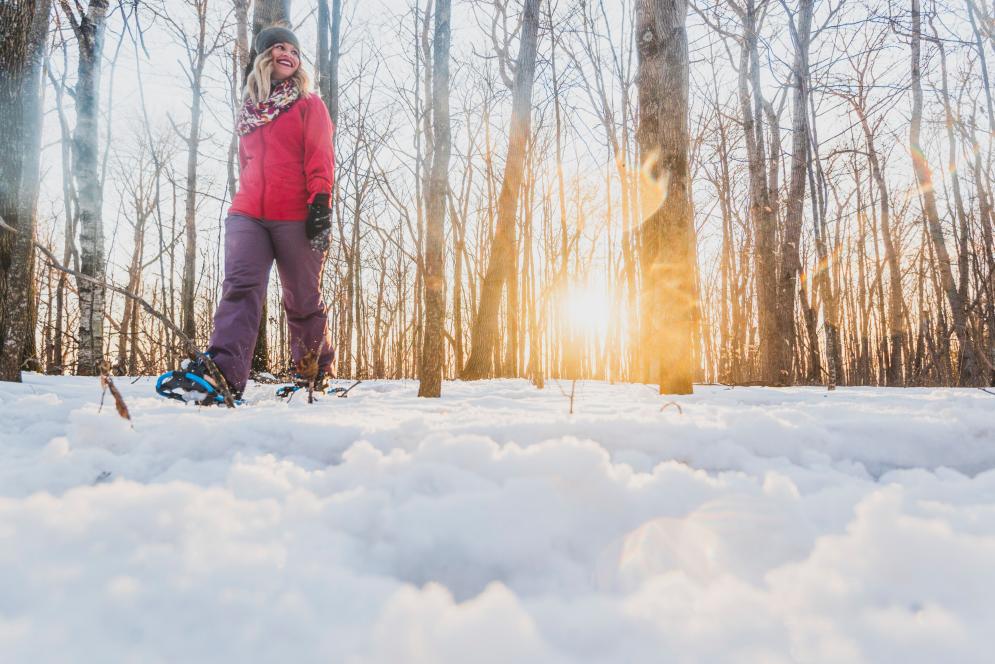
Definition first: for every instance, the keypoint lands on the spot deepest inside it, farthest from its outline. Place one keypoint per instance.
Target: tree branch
(190, 345)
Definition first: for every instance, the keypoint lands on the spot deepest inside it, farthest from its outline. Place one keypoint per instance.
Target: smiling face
(286, 61)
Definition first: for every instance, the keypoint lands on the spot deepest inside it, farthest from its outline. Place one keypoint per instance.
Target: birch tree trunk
(667, 252)
(430, 384)
(23, 27)
(485, 325)
(89, 29)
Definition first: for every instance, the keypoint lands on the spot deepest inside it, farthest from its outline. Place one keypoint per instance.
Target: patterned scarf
(281, 97)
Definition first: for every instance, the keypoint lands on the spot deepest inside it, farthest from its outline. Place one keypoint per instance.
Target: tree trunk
(89, 29)
(23, 27)
(896, 321)
(328, 55)
(430, 384)
(667, 252)
(822, 281)
(485, 325)
(762, 211)
(458, 222)
(790, 262)
(196, 73)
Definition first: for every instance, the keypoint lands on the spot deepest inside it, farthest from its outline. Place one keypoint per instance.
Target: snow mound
(748, 525)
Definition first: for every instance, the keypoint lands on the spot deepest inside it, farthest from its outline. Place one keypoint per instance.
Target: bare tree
(499, 265)
(924, 177)
(138, 176)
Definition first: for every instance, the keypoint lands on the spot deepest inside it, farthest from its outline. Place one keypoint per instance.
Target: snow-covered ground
(748, 525)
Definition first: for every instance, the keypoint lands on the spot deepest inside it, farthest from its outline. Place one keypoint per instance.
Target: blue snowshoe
(192, 383)
(319, 386)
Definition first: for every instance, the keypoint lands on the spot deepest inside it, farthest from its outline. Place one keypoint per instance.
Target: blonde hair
(259, 82)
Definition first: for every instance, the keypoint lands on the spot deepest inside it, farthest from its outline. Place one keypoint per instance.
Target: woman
(281, 213)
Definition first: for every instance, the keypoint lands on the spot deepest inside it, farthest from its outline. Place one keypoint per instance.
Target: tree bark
(667, 256)
(23, 27)
(786, 341)
(430, 384)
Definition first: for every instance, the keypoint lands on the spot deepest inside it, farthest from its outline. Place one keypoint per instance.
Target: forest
(739, 192)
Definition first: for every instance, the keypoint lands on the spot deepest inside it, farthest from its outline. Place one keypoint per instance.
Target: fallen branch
(107, 383)
(191, 347)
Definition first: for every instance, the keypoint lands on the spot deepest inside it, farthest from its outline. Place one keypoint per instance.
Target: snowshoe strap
(181, 385)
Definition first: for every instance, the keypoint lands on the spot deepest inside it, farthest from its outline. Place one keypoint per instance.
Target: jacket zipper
(262, 172)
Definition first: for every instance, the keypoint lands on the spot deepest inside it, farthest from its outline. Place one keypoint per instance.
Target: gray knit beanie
(275, 35)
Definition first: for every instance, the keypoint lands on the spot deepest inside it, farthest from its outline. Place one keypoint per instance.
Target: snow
(749, 525)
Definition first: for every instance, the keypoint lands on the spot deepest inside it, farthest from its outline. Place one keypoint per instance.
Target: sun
(587, 310)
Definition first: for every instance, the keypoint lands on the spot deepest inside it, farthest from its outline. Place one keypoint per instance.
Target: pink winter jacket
(286, 162)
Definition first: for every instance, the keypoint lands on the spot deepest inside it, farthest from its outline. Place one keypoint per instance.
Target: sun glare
(587, 310)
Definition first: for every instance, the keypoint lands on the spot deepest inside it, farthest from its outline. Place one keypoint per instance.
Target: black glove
(319, 220)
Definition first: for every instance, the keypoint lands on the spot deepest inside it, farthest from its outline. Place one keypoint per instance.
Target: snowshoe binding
(192, 383)
(318, 386)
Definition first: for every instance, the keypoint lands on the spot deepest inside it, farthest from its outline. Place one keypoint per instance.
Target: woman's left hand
(319, 222)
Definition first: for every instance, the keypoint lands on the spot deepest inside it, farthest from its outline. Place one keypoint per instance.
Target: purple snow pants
(251, 246)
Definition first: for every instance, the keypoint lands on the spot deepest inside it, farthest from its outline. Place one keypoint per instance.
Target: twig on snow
(573, 392)
(107, 384)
